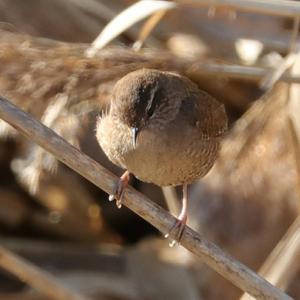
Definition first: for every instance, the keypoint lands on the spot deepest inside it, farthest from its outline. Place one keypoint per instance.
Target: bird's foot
(121, 185)
(178, 229)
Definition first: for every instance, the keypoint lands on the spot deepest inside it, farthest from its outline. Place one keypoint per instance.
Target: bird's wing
(205, 114)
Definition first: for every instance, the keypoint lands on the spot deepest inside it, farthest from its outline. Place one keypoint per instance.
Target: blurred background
(247, 204)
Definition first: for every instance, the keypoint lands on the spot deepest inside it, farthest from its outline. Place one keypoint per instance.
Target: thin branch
(281, 265)
(124, 20)
(283, 8)
(148, 28)
(271, 78)
(232, 270)
(274, 75)
(35, 277)
(236, 72)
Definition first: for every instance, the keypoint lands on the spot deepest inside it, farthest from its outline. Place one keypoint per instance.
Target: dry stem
(281, 265)
(35, 277)
(236, 72)
(272, 7)
(222, 263)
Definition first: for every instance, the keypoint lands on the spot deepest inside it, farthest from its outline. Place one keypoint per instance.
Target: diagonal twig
(271, 78)
(147, 29)
(35, 277)
(232, 270)
(281, 265)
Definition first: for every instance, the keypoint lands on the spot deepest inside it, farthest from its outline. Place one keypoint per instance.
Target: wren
(162, 129)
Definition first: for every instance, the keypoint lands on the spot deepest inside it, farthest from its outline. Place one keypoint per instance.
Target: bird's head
(140, 100)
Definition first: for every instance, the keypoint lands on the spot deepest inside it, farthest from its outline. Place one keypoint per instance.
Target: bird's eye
(152, 102)
(150, 111)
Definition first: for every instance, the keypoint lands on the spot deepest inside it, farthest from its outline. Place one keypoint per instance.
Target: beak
(135, 132)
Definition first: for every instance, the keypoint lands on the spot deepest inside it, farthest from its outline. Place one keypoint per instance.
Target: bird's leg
(121, 185)
(181, 219)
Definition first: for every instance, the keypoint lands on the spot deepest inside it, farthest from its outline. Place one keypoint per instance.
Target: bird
(163, 129)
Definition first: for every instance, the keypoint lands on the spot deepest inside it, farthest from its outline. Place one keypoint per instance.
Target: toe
(178, 230)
